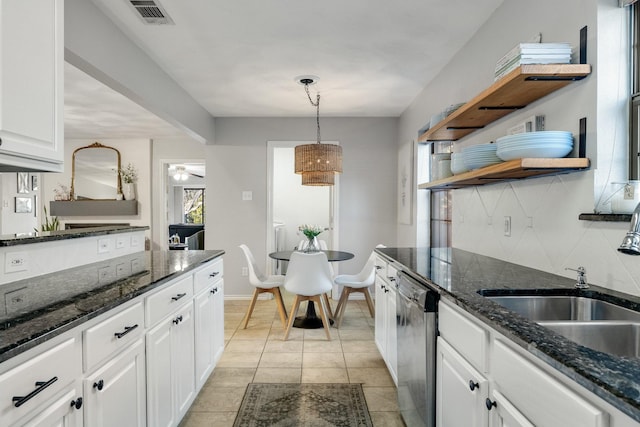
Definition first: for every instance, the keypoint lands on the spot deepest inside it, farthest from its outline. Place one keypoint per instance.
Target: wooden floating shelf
(516, 90)
(513, 169)
(93, 207)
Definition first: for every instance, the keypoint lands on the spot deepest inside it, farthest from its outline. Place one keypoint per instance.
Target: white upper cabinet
(31, 85)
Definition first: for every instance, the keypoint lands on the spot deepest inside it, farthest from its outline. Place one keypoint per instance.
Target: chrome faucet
(581, 281)
(631, 242)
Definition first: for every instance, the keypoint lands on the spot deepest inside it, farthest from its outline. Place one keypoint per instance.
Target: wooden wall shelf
(513, 169)
(514, 91)
(93, 207)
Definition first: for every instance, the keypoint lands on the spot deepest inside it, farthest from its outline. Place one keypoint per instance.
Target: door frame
(334, 219)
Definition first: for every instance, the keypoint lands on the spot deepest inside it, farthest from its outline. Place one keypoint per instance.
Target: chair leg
(367, 296)
(326, 301)
(342, 304)
(323, 314)
(252, 305)
(282, 311)
(292, 316)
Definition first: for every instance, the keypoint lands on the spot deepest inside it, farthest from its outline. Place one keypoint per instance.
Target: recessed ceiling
(239, 58)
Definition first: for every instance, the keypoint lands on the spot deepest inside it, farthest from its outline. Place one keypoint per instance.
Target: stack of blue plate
(542, 144)
(479, 156)
(457, 163)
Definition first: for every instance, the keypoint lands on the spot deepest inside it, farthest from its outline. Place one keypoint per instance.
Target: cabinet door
(31, 83)
(64, 411)
(381, 313)
(115, 393)
(183, 360)
(504, 414)
(392, 334)
(204, 335)
(218, 321)
(457, 381)
(160, 410)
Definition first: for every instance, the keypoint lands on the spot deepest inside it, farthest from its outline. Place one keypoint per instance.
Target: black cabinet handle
(386, 291)
(391, 278)
(489, 404)
(177, 297)
(213, 290)
(473, 385)
(127, 329)
(77, 403)
(177, 320)
(41, 385)
(214, 274)
(99, 385)
(378, 267)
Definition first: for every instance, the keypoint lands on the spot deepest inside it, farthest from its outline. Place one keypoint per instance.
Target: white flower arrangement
(311, 231)
(129, 174)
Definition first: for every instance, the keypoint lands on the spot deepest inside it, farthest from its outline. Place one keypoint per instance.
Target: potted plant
(129, 177)
(311, 232)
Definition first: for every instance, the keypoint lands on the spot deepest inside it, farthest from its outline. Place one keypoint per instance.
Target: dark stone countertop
(48, 236)
(51, 304)
(459, 275)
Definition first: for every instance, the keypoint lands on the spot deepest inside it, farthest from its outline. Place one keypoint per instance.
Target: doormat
(309, 405)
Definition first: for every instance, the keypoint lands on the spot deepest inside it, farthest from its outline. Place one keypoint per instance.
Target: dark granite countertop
(47, 236)
(51, 304)
(459, 275)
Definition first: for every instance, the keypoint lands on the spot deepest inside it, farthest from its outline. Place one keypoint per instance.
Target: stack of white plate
(479, 156)
(457, 163)
(542, 144)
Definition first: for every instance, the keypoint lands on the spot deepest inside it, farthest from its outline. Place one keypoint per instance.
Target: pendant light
(317, 163)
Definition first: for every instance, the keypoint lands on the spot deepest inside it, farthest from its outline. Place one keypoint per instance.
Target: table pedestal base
(310, 320)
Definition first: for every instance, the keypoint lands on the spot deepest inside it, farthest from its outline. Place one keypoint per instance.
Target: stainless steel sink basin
(566, 308)
(619, 338)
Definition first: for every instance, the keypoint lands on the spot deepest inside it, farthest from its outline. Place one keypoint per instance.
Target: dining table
(310, 320)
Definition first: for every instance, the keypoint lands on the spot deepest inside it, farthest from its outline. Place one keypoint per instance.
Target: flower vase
(129, 191)
(312, 245)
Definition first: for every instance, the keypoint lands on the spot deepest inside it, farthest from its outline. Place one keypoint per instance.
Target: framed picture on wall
(24, 205)
(23, 182)
(405, 183)
(34, 182)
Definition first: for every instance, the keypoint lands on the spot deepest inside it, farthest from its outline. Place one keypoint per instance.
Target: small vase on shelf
(129, 191)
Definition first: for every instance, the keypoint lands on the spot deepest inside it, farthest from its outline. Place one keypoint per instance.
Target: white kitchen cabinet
(209, 335)
(171, 367)
(31, 85)
(114, 395)
(63, 411)
(385, 316)
(457, 381)
(504, 414)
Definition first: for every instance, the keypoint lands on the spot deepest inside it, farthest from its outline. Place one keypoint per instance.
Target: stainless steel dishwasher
(416, 312)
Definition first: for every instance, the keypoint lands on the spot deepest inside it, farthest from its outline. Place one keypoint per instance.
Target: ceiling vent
(151, 12)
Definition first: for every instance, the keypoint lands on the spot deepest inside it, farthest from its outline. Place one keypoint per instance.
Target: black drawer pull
(473, 385)
(99, 385)
(378, 267)
(127, 329)
(214, 290)
(77, 403)
(489, 404)
(21, 400)
(177, 320)
(214, 274)
(177, 297)
(391, 278)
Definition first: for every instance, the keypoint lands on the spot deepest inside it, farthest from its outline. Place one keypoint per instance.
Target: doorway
(290, 204)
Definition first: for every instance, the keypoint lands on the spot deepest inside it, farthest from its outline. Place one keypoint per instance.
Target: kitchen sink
(618, 338)
(564, 308)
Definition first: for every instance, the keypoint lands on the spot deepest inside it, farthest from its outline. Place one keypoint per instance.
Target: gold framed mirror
(95, 173)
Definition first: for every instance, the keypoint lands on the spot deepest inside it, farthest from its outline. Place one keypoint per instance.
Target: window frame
(634, 105)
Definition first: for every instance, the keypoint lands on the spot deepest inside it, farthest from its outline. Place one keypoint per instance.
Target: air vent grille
(151, 12)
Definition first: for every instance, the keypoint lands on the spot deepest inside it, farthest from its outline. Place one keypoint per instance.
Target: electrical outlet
(104, 246)
(245, 271)
(121, 242)
(136, 265)
(123, 270)
(247, 195)
(135, 241)
(16, 261)
(105, 274)
(507, 226)
(16, 300)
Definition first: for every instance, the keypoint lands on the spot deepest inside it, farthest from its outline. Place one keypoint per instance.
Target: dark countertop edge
(543, 352)
(60, 329)
(49, 236)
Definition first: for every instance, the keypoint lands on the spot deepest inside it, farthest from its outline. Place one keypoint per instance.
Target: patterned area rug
(309, 405)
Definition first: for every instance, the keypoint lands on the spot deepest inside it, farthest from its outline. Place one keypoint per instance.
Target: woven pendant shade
(318, 178)
(318, 158)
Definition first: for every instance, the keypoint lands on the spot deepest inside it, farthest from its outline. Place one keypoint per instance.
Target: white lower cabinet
(114, 395)
(209, 307)
(483, 379)
(63, 411)
(385, 317)
(171, 368)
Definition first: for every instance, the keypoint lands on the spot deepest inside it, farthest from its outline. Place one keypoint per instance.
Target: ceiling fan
(182, 174)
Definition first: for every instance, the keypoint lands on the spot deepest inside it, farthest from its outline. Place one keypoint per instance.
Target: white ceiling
(240, 58)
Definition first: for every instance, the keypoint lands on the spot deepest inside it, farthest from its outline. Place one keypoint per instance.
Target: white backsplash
(545, 231)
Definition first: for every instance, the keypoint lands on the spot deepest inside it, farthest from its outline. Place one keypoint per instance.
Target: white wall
(546, 233)
(238, 161)
(135, 151)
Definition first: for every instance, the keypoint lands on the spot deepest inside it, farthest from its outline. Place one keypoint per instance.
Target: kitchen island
(459, 276)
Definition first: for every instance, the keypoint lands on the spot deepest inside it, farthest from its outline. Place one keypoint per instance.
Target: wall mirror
(95, 173)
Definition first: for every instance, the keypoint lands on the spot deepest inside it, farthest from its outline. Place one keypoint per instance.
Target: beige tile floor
(258, 354)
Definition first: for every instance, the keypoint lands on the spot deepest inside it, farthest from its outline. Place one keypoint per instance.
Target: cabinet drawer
(38, 380)
(391, 274)
(381, 267)
(530, 390)
(104, 339)
(468, 338)
(168, 299)
(208, 276)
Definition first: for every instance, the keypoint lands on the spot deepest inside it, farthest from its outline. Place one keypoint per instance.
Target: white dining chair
(309, 279)
(263, 284)
(353, 283)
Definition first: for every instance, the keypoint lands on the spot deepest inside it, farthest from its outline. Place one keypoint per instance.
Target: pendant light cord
(315, 104)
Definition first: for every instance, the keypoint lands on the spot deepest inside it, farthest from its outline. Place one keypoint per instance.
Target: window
(634, 157)
(193, 205)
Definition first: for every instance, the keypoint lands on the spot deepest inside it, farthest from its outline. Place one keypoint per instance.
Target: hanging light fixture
(317, 163)
(180, 174)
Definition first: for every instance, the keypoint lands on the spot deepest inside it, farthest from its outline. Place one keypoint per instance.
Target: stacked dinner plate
(542, 144)
(479, 156)
(457, 163)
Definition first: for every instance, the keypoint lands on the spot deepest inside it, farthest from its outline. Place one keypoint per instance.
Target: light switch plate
(16, 261)
(247, 195)
(121, 242)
